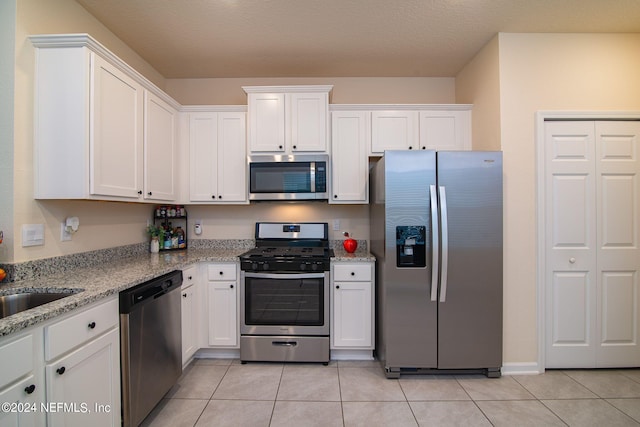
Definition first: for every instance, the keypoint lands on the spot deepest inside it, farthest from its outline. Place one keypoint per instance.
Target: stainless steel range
(284, 294)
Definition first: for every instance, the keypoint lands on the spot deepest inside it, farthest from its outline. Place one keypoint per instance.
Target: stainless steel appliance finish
(151, 344)
(289, 177)
(284, 294)
(436, 232)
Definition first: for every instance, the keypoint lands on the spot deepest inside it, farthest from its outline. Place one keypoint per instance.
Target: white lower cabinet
(189, 314)
(222, 305)
(22, 380)
(352, 325)
(83, 387)
(82, 367)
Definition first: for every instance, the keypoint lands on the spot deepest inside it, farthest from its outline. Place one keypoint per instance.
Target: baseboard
(524, 368)
(352, 355)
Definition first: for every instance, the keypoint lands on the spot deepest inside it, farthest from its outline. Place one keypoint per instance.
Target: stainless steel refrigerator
(436, 233)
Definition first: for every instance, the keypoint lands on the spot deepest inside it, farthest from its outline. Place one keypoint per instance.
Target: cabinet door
(28, 394)
(88, 379)
(394, 130)
(445, 130)
(308, 112)
(116, 132)
(232, 157)
(223, 322)
(189, 323)
(266, 122)
(349, 166)
(159, 149)
(352, 315)
(203, 156)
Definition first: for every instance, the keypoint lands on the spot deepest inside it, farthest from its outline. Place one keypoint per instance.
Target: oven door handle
(285, 275)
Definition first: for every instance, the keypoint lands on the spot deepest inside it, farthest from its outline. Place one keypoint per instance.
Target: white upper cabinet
(420, 127)
(217, 152)
(93, 125)
(160, 149)
(349, 165)
(394, 130)
(288, 119)
(445, 130)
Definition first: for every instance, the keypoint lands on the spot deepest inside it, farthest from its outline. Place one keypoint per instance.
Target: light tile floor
(227, 393)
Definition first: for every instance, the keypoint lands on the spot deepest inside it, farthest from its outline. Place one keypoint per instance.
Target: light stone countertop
(106, 279)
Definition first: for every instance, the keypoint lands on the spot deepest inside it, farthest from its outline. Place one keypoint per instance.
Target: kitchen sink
(24, 300)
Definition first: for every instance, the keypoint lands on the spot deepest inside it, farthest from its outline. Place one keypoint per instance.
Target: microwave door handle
(435, 249)
(312, 176)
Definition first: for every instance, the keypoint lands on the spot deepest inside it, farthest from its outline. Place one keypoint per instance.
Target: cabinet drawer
(189, 276)
(17, 359)
(352, 272)
(221, 272)
(79, 328)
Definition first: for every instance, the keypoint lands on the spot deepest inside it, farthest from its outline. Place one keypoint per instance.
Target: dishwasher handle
(132, 298)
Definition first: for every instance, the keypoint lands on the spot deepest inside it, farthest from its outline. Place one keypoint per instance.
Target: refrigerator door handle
(434, 243)
(445, 243)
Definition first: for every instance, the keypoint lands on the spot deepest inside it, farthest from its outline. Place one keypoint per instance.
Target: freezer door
(409, 316)
(470, 307)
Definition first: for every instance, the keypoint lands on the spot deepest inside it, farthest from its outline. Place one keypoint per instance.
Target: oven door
(284, 303)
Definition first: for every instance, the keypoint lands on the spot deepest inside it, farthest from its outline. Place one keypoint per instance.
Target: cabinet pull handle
(61, 370)
(30, 389)
(92, 325)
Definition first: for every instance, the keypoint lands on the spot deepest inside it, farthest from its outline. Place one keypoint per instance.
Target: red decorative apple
(350, 245)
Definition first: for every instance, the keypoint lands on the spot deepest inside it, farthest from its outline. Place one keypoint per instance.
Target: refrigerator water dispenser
(410, 246)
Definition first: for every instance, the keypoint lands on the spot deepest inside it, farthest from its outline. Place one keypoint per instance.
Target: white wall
(542, 72)
(7, 67)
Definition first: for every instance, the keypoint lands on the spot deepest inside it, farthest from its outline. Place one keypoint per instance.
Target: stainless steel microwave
(288, 177)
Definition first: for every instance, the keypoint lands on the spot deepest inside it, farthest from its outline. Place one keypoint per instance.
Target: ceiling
(339, 38)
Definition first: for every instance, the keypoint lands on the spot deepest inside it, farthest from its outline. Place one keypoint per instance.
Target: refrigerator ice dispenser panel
(410, 246)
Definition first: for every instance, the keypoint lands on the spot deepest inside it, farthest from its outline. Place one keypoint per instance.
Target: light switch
(32, 235)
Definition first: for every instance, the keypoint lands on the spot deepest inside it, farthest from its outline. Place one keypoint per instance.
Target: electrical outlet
(65, 236)
(336, 225)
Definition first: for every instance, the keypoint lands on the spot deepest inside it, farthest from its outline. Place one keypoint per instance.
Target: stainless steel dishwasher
(151, 344)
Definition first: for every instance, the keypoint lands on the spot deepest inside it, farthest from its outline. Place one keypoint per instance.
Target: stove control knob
(303, 266)
(265, 266)
(254, 266)
(314, 267)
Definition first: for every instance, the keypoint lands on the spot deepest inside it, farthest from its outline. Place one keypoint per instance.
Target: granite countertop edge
(94, 283)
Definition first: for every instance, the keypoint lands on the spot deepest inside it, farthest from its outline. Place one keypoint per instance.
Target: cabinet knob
(353, 273)
(184, 295)
(190, 277)
(61, 370)
(149, 193)
(337, 286)
(335, 196)
(220, 197)
(572, 260)
(424, 148)
(221, 273)
(92, 325)
(140, 192)
(231, 286)
(410, 147)
(30, 389)
(213, 197)
(294, 147)
(280, 147)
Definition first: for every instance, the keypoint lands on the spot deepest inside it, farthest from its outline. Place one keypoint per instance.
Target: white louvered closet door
(592, 231)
